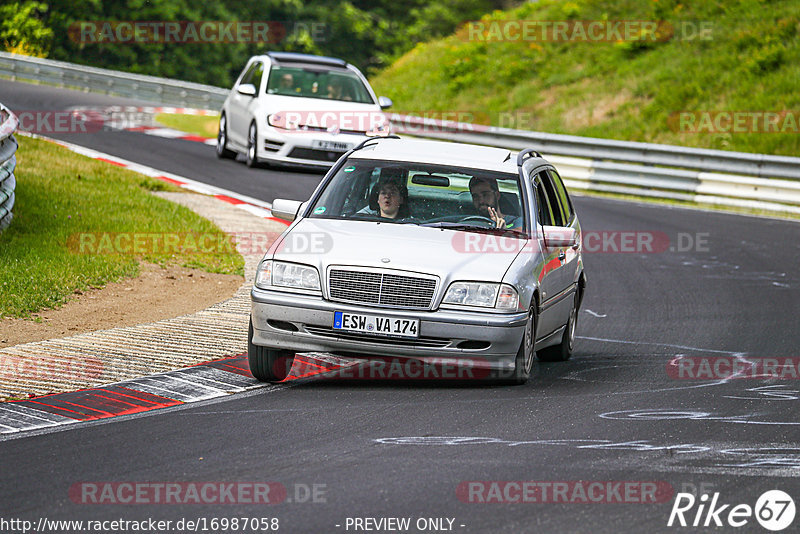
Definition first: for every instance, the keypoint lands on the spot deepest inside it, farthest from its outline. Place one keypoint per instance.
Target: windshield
(318, 82)
(432, 195)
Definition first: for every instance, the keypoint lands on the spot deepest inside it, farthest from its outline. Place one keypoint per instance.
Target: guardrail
(717, 177)
(147, 88)
(8, 162)
(706, 176)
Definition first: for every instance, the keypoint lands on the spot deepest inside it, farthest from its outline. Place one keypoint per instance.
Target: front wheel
(563, 351)
(523, 363)
(251, 157)
(267, 365)
(223, 152)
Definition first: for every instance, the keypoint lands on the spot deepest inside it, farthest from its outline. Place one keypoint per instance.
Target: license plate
(375, 324)
(331, 145)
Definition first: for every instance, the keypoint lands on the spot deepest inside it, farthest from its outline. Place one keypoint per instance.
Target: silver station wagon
(423, 251)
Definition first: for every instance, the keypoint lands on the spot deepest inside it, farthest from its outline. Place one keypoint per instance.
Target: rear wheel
(563, 351)
(251, 158)
(223, 152)
(267, 365)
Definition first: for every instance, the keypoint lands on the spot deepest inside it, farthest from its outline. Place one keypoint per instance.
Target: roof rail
(363, 143)
(294, 57)
(527, 152)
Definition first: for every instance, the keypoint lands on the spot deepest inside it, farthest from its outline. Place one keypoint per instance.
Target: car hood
(289, 103)
(448, 254)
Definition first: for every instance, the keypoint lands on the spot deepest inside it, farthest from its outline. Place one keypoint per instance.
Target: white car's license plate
(331, 145)
(375, 324)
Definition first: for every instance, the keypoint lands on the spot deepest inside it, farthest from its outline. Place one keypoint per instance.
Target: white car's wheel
(223, 152)
(251, 157)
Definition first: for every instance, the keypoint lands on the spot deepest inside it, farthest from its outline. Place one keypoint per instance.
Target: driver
(486, 199)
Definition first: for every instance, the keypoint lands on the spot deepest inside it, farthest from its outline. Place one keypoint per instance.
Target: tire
(251, 156)
(563, 351)
(523, 363)
(267, 365)
(223, 152)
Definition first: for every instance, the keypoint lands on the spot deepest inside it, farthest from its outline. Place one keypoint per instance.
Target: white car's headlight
(501, 296)
(280, 120)
(279, 274)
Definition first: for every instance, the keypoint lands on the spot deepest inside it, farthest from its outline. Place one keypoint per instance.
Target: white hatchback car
(299, 109)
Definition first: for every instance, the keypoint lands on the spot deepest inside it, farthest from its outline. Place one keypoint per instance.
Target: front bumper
(298, 148)
(303, 323)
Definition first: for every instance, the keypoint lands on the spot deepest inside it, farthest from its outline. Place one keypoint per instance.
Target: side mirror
(247, 89)
(384, 102)
(286, 209)
(559, 236)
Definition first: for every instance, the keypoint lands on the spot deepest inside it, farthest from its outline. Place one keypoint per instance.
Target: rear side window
(563, 197)
(555, 204)
(543, 203)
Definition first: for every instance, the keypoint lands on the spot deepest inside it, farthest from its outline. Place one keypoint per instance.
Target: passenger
(486, 199)
(286, 83)
(336, 91)
(389, 199)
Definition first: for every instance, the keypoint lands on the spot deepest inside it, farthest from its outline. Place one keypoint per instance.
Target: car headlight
(280, 274)
(280, 120)
(501, 296)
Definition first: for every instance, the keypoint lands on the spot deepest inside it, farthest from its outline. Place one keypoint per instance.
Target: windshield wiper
(474, 228)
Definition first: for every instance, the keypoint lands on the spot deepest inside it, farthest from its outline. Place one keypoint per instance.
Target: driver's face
(483, 197)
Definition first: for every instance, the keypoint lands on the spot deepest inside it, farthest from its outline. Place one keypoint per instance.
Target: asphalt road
(382, 449)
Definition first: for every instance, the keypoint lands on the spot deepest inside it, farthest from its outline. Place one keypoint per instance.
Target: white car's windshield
(316, 82)
(414, 193)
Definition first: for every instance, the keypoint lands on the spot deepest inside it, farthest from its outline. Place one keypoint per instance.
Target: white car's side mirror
(385, 102)
(247, 89)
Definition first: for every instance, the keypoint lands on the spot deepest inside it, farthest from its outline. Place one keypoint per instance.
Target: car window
(258, 73)
(552, 197)
(254, 75)
(543, 204)
(429, 194)
(317, 82)
(563, 197)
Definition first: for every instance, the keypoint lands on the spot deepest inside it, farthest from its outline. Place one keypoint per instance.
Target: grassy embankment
(61, 196)
(202, 125)
(619, 90)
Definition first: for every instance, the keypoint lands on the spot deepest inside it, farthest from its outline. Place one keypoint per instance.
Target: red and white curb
(210, 380)
(249, 204)
(169, 133)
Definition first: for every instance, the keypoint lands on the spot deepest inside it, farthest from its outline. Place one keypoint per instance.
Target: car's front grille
(317, 155)
(428, 342)
(381, 289)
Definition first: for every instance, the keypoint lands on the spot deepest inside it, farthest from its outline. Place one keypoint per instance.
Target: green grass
(619, 90)
(61, 196)
(202, 125)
